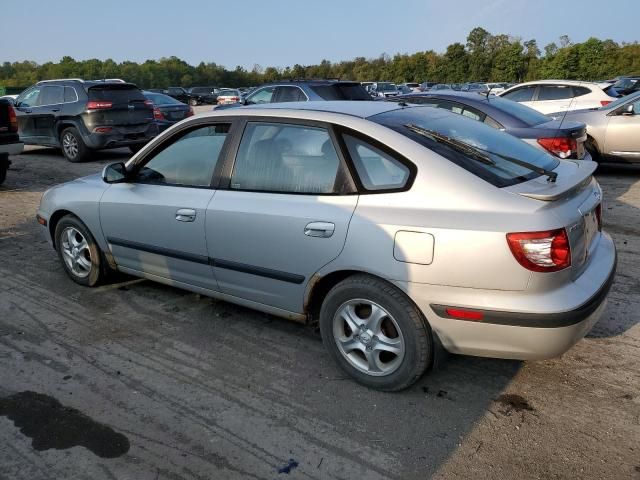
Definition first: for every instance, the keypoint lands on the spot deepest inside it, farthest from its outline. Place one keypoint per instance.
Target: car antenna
(489, 92)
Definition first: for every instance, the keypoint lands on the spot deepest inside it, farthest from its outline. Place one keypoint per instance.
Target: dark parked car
(167, 110)
(562, 139)
(303, 91)
(10, 144)
(203, 95)
(80, 116)
(180, 94)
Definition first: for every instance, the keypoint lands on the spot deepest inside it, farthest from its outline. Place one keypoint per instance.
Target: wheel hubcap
(70, 145)
(76, 252)
(368, 337)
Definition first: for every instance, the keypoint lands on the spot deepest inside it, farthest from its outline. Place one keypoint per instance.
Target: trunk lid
(573, 176)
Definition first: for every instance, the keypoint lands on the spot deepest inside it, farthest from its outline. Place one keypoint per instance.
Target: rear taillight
(93, 105)
(13, 121)
(605, 102)
(234, 99)
(563, 147)
(148, 103)
(190, 112)
(547, 251)
(157, 114)
(598, 212)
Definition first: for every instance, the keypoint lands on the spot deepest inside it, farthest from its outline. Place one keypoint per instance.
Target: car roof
(309, 82)
(561, 82)
(359, 108)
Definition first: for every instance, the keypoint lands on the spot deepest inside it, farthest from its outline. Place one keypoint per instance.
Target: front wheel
(375, 333)
(79, 252)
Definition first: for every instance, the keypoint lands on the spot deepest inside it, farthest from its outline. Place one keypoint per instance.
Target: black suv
(9, 142)
(80, 116)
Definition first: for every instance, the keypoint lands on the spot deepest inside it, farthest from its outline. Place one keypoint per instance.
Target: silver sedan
(402, 230)
(613, 131)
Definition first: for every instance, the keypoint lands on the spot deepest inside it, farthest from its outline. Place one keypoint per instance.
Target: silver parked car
(613, 131)
(401, 229)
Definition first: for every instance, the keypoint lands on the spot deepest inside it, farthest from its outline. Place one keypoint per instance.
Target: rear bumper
(11, 148)
(120, 137)
(521, 325)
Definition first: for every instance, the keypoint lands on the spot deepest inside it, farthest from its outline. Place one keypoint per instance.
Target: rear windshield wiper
(478, 153)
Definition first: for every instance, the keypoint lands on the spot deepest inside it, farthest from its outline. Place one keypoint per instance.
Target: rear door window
(554, 92)
(289, 94)
(51, 95)
(264, 95)
(523, 94)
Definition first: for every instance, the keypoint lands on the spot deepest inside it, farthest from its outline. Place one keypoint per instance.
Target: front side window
(554, 92)
(285, 158)
(29, 98)
(261, 96)
(524, 94)
(376, 169)
(189, 161)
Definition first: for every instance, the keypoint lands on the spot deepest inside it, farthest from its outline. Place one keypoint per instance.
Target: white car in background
(549, 96)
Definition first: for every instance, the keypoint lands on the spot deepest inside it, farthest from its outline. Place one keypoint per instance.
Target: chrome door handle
(319, 229)
(186, 215)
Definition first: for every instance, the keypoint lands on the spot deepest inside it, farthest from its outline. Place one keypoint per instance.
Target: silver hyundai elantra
(400, 229)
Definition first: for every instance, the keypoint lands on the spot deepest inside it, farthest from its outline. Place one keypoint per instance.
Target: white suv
(549, 96)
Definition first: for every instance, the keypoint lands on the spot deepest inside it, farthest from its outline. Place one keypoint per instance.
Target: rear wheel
(73, 147)
(375, 333)
(79, 253)
(592, 148)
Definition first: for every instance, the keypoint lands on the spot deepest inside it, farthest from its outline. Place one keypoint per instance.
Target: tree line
(484, 57)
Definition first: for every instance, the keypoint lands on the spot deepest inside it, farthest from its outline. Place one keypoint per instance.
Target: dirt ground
(188, 387)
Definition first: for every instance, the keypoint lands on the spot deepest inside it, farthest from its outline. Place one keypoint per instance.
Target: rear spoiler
(572, 176)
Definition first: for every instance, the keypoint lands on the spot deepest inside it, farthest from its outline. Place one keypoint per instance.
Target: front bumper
(520, 325)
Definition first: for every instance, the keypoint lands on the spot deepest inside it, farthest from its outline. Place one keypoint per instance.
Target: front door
(284, 215)
(26, 102)
(622, 139)
(155, 223)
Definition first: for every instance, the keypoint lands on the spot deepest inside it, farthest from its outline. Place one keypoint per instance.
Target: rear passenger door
(283, 214)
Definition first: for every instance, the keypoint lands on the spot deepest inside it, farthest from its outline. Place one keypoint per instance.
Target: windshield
(386, 87)
(621, 101)
(160, 99)
(526, 115)
(498, 146)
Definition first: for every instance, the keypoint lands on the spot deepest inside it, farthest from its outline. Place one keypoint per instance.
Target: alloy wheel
(70, 145)
(76, 252)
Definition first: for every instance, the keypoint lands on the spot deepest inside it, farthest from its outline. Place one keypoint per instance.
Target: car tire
(591, 147)
(79, 253)
(193, 102)
(4, 166)
(73, 147)
(375, 333)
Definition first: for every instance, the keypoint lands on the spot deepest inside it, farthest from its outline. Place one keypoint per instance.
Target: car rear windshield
(526, 115)
(341, 91)
(160, 99)
(492, 143)
(201, 90)
(117, 93)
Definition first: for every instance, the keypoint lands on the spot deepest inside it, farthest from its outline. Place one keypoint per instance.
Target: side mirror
(114, 173)
(628, 110)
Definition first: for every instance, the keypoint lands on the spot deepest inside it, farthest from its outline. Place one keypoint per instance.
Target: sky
(285, 32)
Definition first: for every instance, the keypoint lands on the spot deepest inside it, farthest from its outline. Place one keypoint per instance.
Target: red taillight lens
(605, 102)
(13, 120)
(102, 129)
(562, 147)
(93, 105)
(547, 251)
(598, 212)
(190, 112)
(157, 114)
(462, 314)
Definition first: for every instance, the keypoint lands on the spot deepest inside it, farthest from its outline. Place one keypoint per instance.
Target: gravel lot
(204, 389)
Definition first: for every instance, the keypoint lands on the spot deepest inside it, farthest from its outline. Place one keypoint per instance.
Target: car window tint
(286, 158)
(472, 114)
(524, 94)
(29, 98)
(289, 94)
(376, 169)
(419, 101)
(51, 95)
(189, 161)
(261, 96)
(70, 94)
(579, 91)
(492, 123)
(554, 92)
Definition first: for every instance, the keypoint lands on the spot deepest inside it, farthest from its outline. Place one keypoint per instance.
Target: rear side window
(189, 161)
(524, 94)
(116, 93)
(341, 91)
(376, 169)
(286, 158)
(554, 92)
(51, 95)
